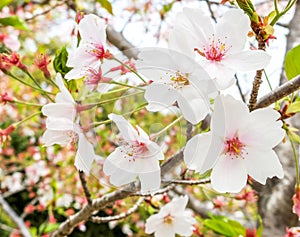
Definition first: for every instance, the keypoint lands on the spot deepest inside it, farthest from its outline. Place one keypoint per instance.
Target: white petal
(51, 137)
(263, 131)
(59, 110)
(85, 155)
(152, 223)
(76, 73)
(184, 225)
(235, 112)
(121, 177)
(60, 124)
(193, 105)
(150, 182)
(178, 205)
(229, 175)
(126, 129)
(223, 76)
(247, 60)
(64, 96)
(232, 34)
(196, 150)
(263, 164)
(81, 58)
(164, 230)
(160, 96)
(92, 28)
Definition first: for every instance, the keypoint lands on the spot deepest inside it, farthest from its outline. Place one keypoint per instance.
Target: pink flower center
(134, 150)
(98, 51)
(215, 51)
(234, 147)
(179, 80)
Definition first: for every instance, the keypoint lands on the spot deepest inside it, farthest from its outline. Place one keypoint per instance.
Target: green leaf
(291, 63)
(14, 21)
(60, 61)
(4, 3)
(294, 137)
(225, 226)
(106, 5)
(47, 228)
(294, 107)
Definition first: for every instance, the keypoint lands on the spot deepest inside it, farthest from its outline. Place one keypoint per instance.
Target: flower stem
(25, 103)
(123, 64)
(296, 160)
(17, 124)
(38, 85)
(126, 85)
(269, 83)
(166, 128)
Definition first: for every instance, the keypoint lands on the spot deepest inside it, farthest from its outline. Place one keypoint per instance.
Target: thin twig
(240, 88)
(189, 131)
(85, 188)
(210, 10)
(14, 217)
(279, 93)
(187, 182)
(98, 219)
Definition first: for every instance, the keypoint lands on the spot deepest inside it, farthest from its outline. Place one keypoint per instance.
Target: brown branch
(279, 93)
(85, 188)
(14, 217)
(257, 79)
(117, 39)
(187, 182)
(98, 220)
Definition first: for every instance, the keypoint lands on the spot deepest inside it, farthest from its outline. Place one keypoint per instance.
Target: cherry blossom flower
(176, 78)
(239, 143)
(42, 61)
(219, 47)
(172, 219)
(10, 41)
(13, 59)
(62, 128)
(137, 156)
(90, 52)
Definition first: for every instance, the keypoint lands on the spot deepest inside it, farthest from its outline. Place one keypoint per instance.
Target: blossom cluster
(190, 75)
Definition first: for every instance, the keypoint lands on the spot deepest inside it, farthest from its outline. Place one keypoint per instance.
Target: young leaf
(106, 5)
(291, 63)
(4, 3)
(60, 61)
(14, 21)
(294, 107)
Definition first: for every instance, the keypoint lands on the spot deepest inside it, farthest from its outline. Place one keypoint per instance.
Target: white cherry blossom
(62, 128)
(137, 156)
(172, 219)
(219, 47)
(176, 78)
(239, 143)
(91, 51)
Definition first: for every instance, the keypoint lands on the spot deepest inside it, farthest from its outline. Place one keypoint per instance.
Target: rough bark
(275, 202)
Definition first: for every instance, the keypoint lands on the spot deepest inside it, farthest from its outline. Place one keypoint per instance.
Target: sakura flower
(90, 52)
(220, 46)
(172, 219)
(11, 41)
(137, 156)
(176, 78)
(240, 143)
(62, 128)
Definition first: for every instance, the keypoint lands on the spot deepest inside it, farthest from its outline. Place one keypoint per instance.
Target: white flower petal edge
(233, 149)
(177, 78)
(137, 156)
(219, 47)
(62, 130)
(172, 219)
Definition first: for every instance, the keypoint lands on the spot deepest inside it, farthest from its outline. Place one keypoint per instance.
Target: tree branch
(279, 93)
(85, 188)
(98, 220)
(14, 217)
